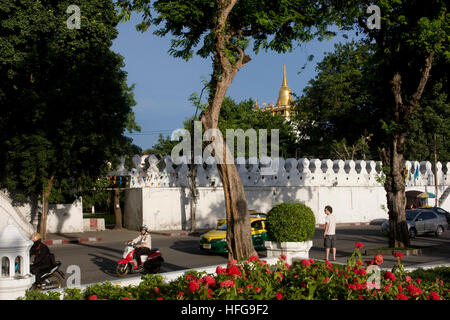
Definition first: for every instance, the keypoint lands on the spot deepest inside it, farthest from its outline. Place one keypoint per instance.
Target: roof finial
(284, 97)
(284, 77)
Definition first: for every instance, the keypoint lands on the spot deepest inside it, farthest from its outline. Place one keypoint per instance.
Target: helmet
(35, 237)
(143, 227)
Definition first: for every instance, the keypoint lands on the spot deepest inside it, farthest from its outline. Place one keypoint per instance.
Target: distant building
(285, 102)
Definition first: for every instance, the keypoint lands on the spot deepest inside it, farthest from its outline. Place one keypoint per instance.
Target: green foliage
(254, 279)
(290, 222)
(106, 290)
(39, 295)
(72, 294)
(430, 275)
(338, 108)
(243, 116)
(65, 103)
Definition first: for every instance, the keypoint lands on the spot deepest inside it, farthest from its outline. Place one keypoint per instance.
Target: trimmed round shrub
(290, 222)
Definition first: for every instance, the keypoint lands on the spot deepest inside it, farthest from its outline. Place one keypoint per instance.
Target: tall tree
(225, 28)
(410, 37)
(336, 112)
(64, 99)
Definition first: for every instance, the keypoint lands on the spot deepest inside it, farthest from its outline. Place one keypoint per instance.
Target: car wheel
(439, 231)
(412, 233)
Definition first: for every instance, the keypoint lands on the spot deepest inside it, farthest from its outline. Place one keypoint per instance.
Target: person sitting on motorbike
(143, 245)
(42, 262)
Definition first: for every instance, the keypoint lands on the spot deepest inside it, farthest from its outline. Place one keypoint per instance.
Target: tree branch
(423, 81)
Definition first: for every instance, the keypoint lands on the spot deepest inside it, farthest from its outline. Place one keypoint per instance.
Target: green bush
(290, 222)
(430, 275)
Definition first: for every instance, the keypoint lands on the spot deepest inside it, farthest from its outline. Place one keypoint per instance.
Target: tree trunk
(393, 156)
(45, 196)
(395, 192)
(117, 210)
(239, 240)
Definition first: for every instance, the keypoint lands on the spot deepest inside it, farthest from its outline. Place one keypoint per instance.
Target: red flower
(240, 290)
(280, 278)
(283, 257)
(398, 255)
(125, 298)
(232, 262)
(359, 245)
(258, 290)
(220, 270)
(94, 297)
(159, 298)
(360, 297)
(209, 281)
(190, 277)
(306, 262)
(311, 261)
(408, 279)
(279, 295)
(233, 270)
(253, 258)
(249, 286)
(400, 288)
(360, 272)
(180, 294)
(413, 291)
(434, 296)
(389, 275)
(378, 259)
(401, 296)
(227, 283)
(418, 280)
(193, 286)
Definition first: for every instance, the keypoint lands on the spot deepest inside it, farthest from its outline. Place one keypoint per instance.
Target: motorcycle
(52, 279)
(151, 262)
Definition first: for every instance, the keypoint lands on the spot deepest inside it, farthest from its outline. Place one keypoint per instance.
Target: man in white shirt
(329, 234)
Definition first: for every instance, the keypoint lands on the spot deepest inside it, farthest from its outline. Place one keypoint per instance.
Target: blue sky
(163, 83)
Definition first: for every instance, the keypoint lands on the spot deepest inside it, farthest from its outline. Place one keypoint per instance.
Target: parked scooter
(52, 279)
(151, 263)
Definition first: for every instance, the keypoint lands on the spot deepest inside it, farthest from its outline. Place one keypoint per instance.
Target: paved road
(97, 260)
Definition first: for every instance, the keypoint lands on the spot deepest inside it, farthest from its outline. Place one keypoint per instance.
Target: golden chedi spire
(284, 97)
(255, 106)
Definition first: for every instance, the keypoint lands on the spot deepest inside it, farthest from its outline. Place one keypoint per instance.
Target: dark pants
(330, 241)
(138, 252)
(39, 270)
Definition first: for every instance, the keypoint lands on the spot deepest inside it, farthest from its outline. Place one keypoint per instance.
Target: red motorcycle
(151, 262)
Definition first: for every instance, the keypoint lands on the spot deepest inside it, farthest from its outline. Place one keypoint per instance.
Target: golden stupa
(284, 103)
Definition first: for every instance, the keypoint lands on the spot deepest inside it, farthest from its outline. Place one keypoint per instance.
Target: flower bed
(254, 279)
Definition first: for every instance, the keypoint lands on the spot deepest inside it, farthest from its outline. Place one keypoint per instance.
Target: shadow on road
(106, 265)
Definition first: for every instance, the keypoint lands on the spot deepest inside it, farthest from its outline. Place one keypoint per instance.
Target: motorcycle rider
(143, 245)
(42, 261)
